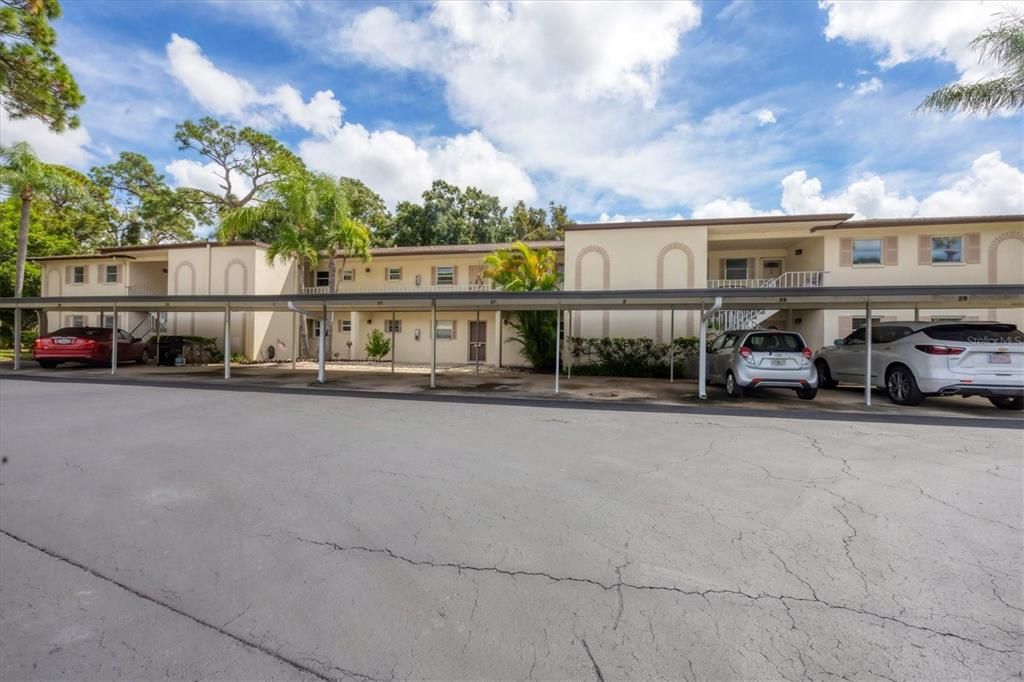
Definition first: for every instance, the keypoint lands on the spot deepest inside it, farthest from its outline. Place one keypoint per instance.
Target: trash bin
(170, 348)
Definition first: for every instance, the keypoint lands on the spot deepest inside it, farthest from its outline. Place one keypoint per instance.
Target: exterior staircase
(149, 325)
(721, 320)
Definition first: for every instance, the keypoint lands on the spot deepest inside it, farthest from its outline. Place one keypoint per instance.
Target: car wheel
(47, 364)
(806, 393)
(902, 386)
(1008, 402)
(731, 387)
(144, 357)
(825, 379)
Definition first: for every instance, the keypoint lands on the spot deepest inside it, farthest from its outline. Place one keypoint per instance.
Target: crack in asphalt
(597, 668)
(704, 594)
(256, 646)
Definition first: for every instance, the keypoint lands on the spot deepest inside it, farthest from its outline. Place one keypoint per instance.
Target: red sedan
(87, 344)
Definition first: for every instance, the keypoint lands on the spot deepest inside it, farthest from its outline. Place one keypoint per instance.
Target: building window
(859, 322)
(78, 274)
(947, 249)
(348, 275)
(393, 274)
(560, 268)
(316, 328)
(110, 274)
(445, 329)
(445, 274)
(736, 268)
(77, 320)
(107, 321)
(867, 251)
(323, 278)
(393, 326)
(344, 325)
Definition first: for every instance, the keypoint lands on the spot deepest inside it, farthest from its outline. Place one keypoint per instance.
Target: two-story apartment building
(766, 251)
(789, 251)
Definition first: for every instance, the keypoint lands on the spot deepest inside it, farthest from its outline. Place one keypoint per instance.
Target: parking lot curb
(553, 402)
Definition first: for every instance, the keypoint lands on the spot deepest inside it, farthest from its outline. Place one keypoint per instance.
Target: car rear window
(87, 332)
(975, 333)
(774, 341)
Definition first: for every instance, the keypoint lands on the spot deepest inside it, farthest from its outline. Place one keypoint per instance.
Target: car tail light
(89, 343)
(932, 349)
(807, 353)
(38, 343)
(747, 354)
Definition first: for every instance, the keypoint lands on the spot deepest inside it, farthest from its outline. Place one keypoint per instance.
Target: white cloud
(400, 169)
(569, 89)
(227, 95)
(70, 148)
(764, 116)
(866, 197)
(727, 207)
(872, 84)
(990, 187)
(906, 31)
(472, 160)
(395, 165)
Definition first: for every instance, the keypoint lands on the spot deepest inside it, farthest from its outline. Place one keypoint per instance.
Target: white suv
(913, 360)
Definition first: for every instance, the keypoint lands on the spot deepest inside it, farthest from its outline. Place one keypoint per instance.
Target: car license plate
(779, 363)
(63, 341)
(999, 358)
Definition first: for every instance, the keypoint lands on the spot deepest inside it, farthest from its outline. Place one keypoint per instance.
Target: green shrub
(628, 357)
(377, 345)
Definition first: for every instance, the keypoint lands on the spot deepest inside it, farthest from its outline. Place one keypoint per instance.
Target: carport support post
(671, 345)
(322, 348)
(476, 345)
(295, 342)
(568, 360)
(558, 345)
(227, 341)
(392, 341)
(867, 352)
(17, 338)
(433, 343)
(702, 361)
(113, 341)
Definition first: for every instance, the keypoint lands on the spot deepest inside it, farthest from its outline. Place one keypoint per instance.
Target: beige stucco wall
(409, 348)
(54, 283)
(635, 258)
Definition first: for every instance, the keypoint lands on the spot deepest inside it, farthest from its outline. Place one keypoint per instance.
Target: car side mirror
(838, 342)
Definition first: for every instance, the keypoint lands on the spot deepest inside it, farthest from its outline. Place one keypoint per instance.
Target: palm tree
(338, 234)
(521, 268)
(23, 174)
(294, 207)
(1003, 44)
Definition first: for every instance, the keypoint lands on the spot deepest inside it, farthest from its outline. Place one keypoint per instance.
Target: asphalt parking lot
(165, 532)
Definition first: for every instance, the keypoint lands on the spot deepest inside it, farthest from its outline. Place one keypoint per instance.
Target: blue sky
(620, 111)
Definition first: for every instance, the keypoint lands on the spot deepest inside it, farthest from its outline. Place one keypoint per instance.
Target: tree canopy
(245, 160)
(34, 81)
(145, 209)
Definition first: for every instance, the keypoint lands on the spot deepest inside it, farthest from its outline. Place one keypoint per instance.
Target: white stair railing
(722, 320)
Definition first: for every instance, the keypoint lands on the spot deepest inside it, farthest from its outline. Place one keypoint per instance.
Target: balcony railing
(807, 278)
(400, 287)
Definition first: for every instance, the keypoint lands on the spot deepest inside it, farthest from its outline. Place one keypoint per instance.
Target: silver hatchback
(746, 359)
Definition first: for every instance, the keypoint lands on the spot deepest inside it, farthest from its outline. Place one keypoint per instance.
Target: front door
(477, 341)
(771, 268)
